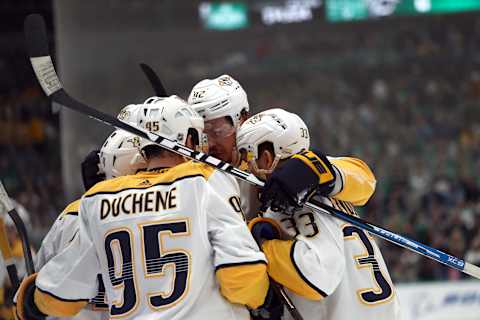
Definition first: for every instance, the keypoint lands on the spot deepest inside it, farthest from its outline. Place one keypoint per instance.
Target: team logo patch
(198, 94)
(225, 81)
(145, 182)
(124, 114)
(135, 141)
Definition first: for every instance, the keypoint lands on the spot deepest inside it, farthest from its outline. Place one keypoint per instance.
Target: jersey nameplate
(139, 202)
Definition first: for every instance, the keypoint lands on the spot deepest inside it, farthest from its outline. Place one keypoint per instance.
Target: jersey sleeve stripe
(55, 306)
(228, 265)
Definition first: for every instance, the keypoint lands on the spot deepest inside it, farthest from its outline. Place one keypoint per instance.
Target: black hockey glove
(271, 309)
(264, 229)
(292, 184)
(91, 174)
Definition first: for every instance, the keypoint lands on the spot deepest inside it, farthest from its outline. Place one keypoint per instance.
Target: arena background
(395, 83)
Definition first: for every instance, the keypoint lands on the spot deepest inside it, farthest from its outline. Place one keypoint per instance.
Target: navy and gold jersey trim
(227, 265)
(144, 187)
(72, 213)
(71, 209)
(292, 258)
(60, 298)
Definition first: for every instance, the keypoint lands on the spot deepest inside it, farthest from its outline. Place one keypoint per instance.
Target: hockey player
(223, 104)
(119, 156)
(343, 271)
(160, 237)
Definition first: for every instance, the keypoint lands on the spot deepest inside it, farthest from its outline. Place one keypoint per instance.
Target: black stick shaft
(22, 232)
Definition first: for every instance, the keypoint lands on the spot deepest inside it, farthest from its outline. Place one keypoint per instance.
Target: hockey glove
(271, 309)
(264, 229)
(91, 174)
(292, 184)
(25, 307)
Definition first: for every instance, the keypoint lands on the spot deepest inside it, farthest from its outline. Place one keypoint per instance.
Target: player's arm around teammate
(275, 144)
(266, 140)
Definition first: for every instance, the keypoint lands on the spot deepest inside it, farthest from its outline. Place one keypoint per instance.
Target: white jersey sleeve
(230, 238)
(72, 274)
(60, 235)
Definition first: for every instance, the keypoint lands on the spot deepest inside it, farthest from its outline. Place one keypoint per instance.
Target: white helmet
(219, 97)
(120, 155)
(130, 113)
(285, 130)
(172, 118)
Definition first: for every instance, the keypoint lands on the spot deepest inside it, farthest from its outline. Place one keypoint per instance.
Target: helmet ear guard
(174, 119)
(249, 158)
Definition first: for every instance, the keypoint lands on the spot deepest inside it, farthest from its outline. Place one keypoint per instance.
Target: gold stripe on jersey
(358, 180)
(56, 307)
(72, 208)
(146, 179)
(245, 284)
(282, 269)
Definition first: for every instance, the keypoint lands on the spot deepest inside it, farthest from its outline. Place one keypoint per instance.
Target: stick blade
(154, 80)
(36, 35)
(37, 44)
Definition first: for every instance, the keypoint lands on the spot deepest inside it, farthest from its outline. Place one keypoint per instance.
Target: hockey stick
(154, 80)
(7, 256)
(20, 226)
(45, 72)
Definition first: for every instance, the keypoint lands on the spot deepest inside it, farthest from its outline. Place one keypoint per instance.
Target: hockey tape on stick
(61, 96)
(5, 249)
(4, 199)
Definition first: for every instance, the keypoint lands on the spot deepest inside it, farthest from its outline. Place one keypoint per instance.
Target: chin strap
(262, 173)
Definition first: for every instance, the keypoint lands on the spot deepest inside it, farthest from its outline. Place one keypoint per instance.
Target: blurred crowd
(405, 101)
(30, 162)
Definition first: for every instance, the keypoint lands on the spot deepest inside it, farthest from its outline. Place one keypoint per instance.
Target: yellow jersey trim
(146, 179)
(72, 208)
(282, 269)
(245, 284)
(358, 180)
(55, 306)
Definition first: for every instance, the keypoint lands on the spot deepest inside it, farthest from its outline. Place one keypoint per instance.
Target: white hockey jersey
(58, 237)
(343, 271)
(160, 238)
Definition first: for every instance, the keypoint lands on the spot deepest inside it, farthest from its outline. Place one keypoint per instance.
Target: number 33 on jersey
(342, 269)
